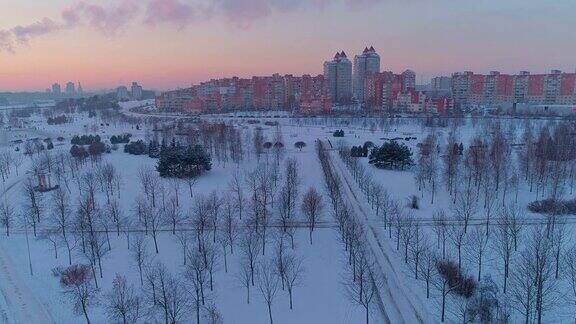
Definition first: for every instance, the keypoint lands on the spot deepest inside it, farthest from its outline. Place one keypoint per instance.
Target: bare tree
(191, 182)
(236, 188)
(457, 234)
(122, 302)
(108, 177)
(139, 253)
(293, 274)
(360, 285)
(534, 288)
(465, 209)
(268, 285)
(197, 275)
(175, 185)
(114, 212)
(150, 183)
(570, 268)
(173, 214)
(75, 281)
(244, 276)
(170, 295)
(441, 230)
(33, 206)
(7, 215)
(428, 267)
(312, 207)
(212, 315)
(477, 245)
(503, 243)
(249, 246)
(155, 219)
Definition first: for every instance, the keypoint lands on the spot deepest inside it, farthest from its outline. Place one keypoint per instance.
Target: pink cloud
(45, 26)
(172, 11)
(107, 20)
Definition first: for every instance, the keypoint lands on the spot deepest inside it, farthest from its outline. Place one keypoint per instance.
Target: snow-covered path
(18, 302)
(401, 305)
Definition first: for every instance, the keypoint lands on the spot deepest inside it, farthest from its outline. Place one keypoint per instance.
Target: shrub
(414, 203)
(120, 139)
(300, 145)
(96, 148)
(339, 133)
(78, 152)
(85, 139)
(551, 206)
(136, 148)
(57, 120)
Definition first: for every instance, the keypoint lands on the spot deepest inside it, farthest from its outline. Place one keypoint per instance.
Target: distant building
(136, 91)
(122, 93)
(365, 63)
(79, 90)
(408, 80)
(307, 94)
(472, 90)
(70, 89)
(56, 89)
(441, 83)
(338, 75)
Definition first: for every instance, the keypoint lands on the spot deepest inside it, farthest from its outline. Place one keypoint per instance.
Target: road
(400, 304)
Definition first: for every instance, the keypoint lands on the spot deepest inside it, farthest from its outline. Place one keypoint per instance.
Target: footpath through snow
(401, 305)
(18, 303)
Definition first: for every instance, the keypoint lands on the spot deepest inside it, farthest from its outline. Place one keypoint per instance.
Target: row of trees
(476, 229)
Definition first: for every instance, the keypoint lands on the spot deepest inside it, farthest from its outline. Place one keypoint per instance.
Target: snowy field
(31, 291)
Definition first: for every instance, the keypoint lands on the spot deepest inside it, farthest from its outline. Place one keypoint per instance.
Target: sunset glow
(166, 44)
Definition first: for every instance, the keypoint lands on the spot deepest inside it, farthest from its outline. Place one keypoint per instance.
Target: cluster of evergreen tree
(57, 120)
(361, 150)
(339, 133)
(85, 139)
(154, 148)
(178, 161)
(120, 139)
(391, 155)
(136, 148)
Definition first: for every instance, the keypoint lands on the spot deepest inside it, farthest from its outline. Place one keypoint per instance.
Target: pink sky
(172, 43)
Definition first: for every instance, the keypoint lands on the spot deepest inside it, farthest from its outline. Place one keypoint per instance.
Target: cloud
(42, 27)
(170, 11)
(6, 43)
(107, 20)
(238, 13)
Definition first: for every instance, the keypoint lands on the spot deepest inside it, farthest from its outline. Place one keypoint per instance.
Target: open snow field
(319, 298)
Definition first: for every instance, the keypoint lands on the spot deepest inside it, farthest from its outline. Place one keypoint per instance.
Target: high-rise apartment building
(136, 91)
(56, 89)
(409, 80)
(338, 75)
(122, 93)
(365, 63)
(441, 83)
(70, 89)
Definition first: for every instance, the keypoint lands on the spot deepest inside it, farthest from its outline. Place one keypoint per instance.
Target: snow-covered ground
(320, 298)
